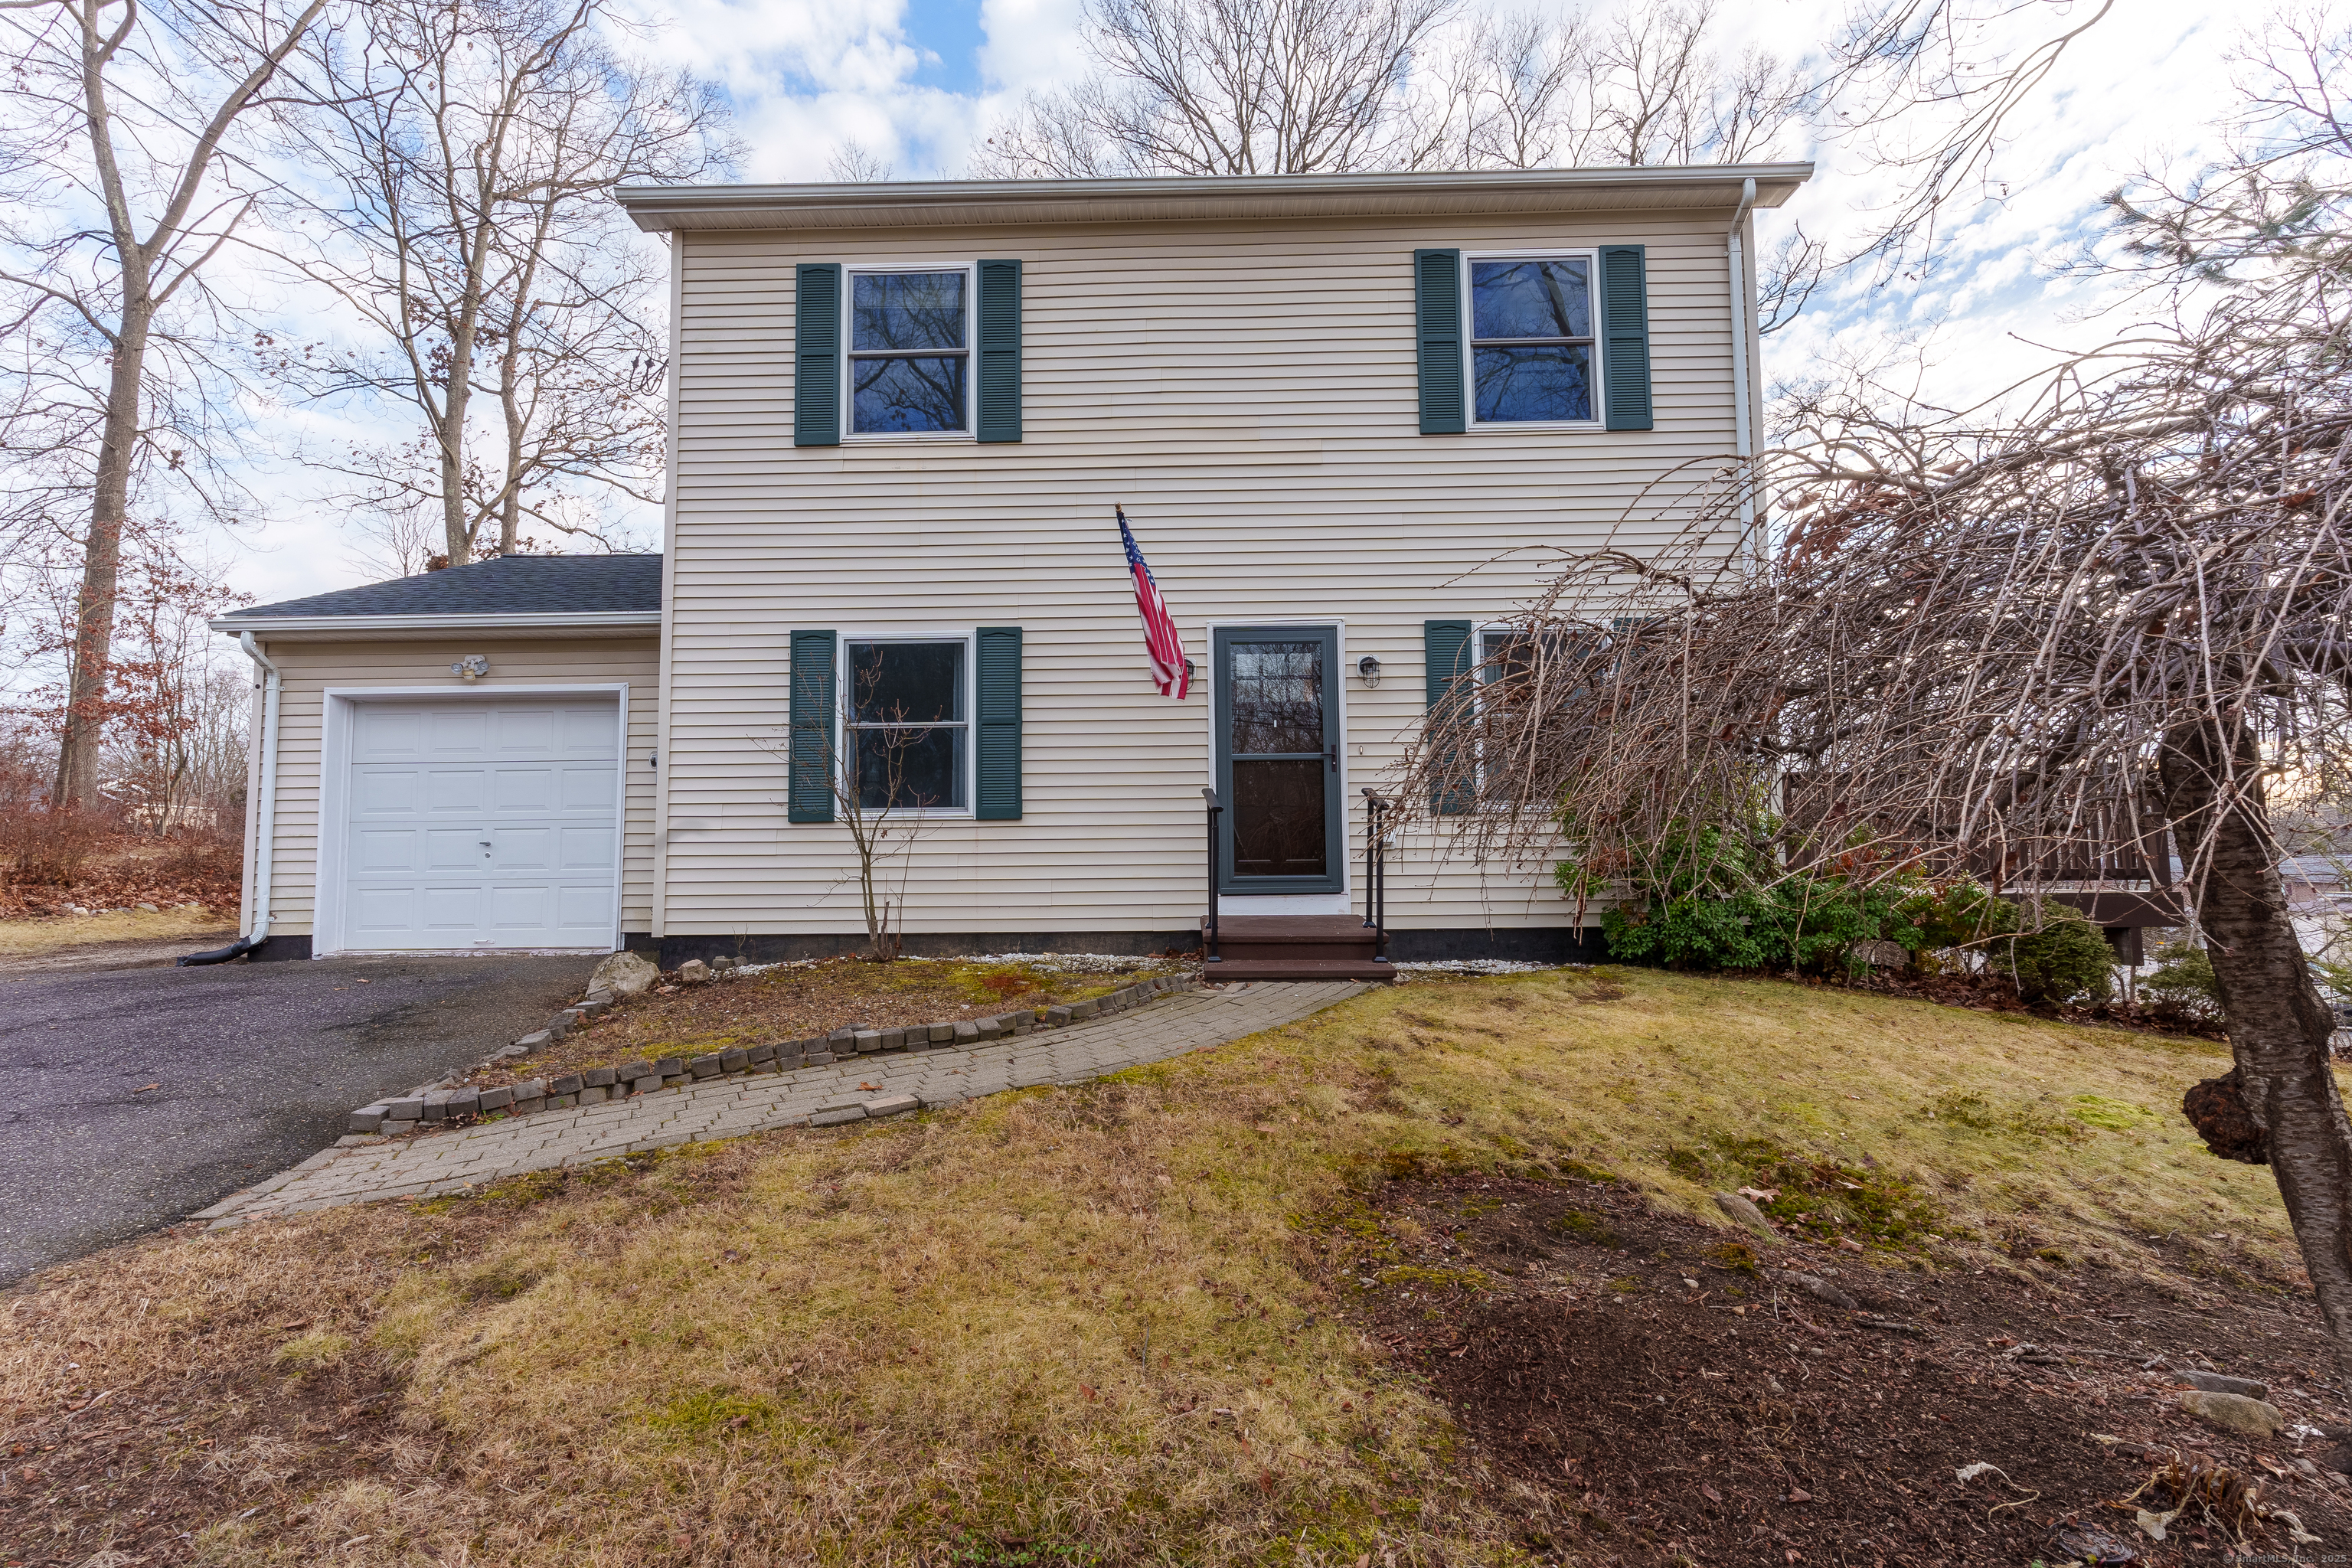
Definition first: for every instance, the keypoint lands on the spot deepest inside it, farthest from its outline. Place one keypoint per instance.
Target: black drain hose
(237, 948)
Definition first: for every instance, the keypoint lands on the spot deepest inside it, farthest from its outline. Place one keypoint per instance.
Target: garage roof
(534, 587)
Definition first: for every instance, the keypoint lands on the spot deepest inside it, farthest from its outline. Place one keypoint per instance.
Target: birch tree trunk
(2279, 1028)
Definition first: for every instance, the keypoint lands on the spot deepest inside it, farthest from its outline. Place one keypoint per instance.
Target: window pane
(1551, 382)
(1530, 299)
(1277, 697)
(909, 769)
(899, 395)
(905, 683)
(907, 310)
(1278, 819)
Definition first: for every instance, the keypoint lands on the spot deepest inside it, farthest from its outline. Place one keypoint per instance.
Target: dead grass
(924, 1341)
(809, 1002)
(27, 937)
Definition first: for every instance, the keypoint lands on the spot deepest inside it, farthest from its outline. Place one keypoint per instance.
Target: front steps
(1294, 947)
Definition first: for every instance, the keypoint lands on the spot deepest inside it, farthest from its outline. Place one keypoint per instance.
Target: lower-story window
(909, 727)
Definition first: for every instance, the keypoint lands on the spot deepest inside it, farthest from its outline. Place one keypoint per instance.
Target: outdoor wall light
(1370, 669)
(473, 666)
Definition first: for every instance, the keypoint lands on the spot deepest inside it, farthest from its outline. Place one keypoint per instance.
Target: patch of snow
(1483, 966)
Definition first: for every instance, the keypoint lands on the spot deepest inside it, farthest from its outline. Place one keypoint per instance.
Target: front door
(1277, 732)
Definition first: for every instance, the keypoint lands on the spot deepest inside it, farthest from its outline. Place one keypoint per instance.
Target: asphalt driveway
(132, 1098)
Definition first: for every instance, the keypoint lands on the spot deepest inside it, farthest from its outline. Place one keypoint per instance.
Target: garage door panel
(396, 790)
(587, 787)
(525, 732)
(378, 911)
(490, 823)
(584, 909)
(522, 849)
(387, 734)
(458, 732)
(450, 909)
(526, 908)
(531, 790)
(387, 851)
(584, 850)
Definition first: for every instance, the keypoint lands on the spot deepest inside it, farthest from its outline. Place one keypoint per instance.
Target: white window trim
(850, 271)
(970, 637)
(1590, 256)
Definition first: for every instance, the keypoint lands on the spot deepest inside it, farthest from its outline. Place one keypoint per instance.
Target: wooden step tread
(1322, 930)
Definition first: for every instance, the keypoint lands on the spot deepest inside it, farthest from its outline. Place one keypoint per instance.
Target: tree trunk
(2278, 1026)
(101, 570)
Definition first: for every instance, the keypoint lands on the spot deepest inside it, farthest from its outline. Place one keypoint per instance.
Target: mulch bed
(1989, 994)
(806, 1001)
(1732, 1421)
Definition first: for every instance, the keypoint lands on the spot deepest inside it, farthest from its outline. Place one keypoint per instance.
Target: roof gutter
(588, 620)
(918, 202)
(265, 828)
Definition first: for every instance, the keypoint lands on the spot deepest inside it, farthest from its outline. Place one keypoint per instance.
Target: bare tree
(2108, 620)
(455, 209)
(122, 137)
(1225, 87)
(871, 754)
(854, 164)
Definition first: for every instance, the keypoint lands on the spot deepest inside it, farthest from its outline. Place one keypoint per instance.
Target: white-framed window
(1507, 674)
(906, 361)
(1533, 355)
(907, 703)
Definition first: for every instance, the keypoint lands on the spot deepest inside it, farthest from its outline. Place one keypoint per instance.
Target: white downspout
(266, 819)
(1743, 441)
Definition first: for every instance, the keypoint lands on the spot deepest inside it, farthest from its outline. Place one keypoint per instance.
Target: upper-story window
(1531, 348)
(909, 353)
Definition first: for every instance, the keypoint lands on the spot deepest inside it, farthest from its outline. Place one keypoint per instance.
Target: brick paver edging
(594, 1086)
(429, 1164)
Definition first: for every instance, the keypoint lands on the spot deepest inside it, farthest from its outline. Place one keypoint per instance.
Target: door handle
(1332, 752)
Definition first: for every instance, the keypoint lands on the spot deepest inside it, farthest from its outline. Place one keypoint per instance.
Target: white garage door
(485, 824)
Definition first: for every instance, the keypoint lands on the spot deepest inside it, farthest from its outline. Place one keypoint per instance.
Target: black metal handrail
(1376, 876)
(1210, 797)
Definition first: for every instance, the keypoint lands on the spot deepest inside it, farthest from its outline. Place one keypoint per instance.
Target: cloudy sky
(918, 81)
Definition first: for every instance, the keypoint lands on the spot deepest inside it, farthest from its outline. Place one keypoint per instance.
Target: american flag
(1160, 638)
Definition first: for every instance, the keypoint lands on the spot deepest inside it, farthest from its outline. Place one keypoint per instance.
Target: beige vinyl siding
(311, 667)
(1247, 391)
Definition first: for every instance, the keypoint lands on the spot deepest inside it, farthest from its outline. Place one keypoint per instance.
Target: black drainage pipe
(237, 948)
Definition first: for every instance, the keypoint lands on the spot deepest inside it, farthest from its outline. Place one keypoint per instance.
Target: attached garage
(459, 762)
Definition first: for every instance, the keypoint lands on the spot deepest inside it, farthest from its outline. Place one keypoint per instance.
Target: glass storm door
(1277, 731)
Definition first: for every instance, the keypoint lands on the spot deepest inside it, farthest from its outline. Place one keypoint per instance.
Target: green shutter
(1447, 663)
(809, 798)
(817, 374)
(1625, 337)
(1000, 355)
(1000, 723)
(1437, 327)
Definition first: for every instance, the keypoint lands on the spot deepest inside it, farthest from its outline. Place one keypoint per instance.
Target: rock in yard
(1813, 1286)
(693, 972)
(2216, 1383)
(624, 974)
(1745, 1212)
(2234, 1412)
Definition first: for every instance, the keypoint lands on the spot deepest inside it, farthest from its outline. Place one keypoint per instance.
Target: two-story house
(1349, 418)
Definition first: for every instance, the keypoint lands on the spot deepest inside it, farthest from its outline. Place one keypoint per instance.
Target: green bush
(2063, 959)
(2184, 981)
(1712, 900)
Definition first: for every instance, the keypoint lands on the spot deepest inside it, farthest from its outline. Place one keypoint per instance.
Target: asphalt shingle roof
(509, 585)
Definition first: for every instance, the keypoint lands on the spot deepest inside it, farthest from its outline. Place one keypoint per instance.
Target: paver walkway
(427, 1165)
